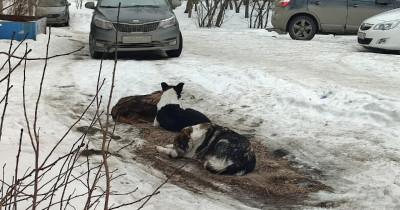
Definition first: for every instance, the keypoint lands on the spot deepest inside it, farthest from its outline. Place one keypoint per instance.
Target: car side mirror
(385, 2)
(90, 5)
(175, 3)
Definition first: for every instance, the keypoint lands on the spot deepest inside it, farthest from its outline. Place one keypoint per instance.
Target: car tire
(176, 53)
(94, 54)
(302, 28)
(66, 24)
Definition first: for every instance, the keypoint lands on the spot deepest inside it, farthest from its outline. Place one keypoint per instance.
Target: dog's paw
(155, 123)
(169, 146)
(160, 149)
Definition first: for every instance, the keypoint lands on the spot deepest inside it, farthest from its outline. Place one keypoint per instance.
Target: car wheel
(302, 28)
(176, 53)
(94, 54)
(66, 24)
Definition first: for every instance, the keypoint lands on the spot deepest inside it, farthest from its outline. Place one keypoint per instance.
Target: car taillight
(284, 3)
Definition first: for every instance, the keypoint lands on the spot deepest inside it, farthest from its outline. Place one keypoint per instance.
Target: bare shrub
(210, 12)
(51, 181)
(260, 13)
(78, 4)
(20, 8)
(39, 184)
(17, 7)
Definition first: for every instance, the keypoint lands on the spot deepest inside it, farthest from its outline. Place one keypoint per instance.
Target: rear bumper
(279, 20)
(277, 30)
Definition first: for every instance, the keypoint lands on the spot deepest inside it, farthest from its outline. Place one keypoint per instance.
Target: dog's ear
(183, 138)
(164, 86)
(178, 89)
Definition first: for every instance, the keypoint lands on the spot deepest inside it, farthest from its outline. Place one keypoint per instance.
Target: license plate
(136, 39)
(361, 35)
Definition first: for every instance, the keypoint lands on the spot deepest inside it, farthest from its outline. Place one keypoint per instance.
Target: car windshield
(133, 3)
(51, 3)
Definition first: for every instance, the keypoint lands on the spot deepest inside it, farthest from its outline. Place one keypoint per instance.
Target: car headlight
(104, 24)
(63, 13)
(387, 25)
(167, 22)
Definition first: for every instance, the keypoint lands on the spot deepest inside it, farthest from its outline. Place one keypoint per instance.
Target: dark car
(142, 25)
(302, 19)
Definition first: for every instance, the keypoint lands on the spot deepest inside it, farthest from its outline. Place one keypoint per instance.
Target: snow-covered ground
(332, 105)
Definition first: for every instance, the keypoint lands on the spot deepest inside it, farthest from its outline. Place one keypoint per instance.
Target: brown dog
(134, 109)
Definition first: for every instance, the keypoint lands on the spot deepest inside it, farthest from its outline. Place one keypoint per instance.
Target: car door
(359, 10)
(330, 13)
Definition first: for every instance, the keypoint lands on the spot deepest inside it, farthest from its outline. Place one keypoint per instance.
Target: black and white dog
(170, 115)
(224, 151)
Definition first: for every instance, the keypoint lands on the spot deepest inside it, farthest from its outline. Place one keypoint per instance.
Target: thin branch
(8, 89)
(11, 5)
(22, 58)
(11, 54)
(35, 130)
(24, 106)
(104, 150)
(133, 141)
(16, 170)
(159, 187)
(50, 57)
(137, 201)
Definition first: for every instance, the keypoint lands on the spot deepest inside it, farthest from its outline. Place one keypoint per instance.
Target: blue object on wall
(21, 27)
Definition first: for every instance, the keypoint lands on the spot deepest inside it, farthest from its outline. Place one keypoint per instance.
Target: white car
(381, 31)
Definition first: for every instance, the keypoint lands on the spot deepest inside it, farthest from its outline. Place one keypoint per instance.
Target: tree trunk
(237, 9)
(1, 6)
(189, 8)
(213, 10)
(267, 13)
(246, 12)
(221, 13)
(31, 5)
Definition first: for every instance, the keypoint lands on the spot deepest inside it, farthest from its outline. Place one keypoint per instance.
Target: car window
(372, 1)
(133, 3)
(51, 3)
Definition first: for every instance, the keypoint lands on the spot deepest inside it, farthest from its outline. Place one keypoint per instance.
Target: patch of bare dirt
(273, 183)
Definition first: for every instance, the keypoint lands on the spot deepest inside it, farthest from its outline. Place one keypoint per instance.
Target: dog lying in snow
(170, 115)
(137, 108)
(224, 151)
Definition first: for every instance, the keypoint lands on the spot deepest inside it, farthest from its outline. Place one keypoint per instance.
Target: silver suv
(143, 25)
(304, 18)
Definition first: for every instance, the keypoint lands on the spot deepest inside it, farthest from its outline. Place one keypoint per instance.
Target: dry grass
(274, 182)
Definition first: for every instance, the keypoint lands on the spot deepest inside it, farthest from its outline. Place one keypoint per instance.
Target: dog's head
(188, 141)
(182, 143)
(177, 88)
(170, 95)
